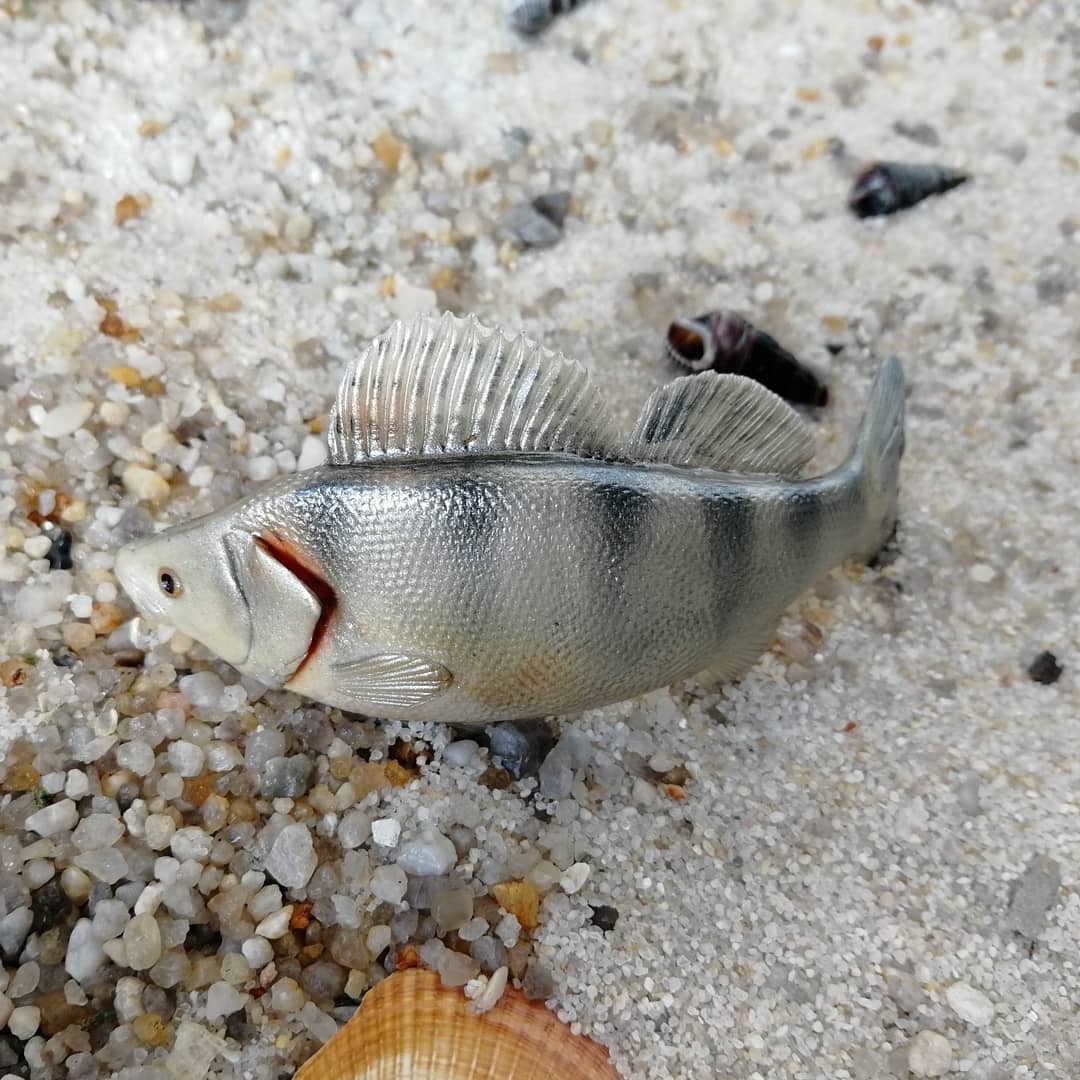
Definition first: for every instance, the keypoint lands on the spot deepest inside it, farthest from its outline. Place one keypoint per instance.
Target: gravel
(860, 860)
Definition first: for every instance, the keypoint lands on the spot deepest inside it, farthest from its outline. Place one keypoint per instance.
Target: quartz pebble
(574, 878)
(929, 1054)
(97, 831)
(970, 1004)
(57, 818)
(85, 956)
(257, 951)
(142, 942)
(385, 832)
(222, 1000)
(275, 925)
(429, 854)
(388, 883)
(287, 777)
(23, 1021)
(63, 420)
(292, 859)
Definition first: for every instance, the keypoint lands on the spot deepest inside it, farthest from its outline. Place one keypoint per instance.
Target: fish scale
(527, 560)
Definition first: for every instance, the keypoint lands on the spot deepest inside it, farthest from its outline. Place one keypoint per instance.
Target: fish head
(244, 596)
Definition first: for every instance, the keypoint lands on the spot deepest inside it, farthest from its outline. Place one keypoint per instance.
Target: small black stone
(520, 745)
(1045, 669)
(553, 206)
(49, 905)
(237, 1027)
(59, 555)
(834, 348)
(604, 916)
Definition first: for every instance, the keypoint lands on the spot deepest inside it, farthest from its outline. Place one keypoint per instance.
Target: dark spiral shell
(885, 187)
(532, 16)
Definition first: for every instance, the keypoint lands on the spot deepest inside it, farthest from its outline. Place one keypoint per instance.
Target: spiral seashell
(410, 1027)
(884, 187)
(532, 16)
(725, 342)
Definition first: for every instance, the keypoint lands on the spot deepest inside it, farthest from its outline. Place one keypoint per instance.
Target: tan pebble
(151, 1029)
(521, 899)
(74, 511)
(78, 636)
(14, 672)
(125, 375)
(145, 484)
(105, 618)
(388, 148)
(227, 302)
(151, 129)
(126, 209)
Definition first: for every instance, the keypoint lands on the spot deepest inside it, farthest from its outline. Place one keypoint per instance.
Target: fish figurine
(483, 545)
(886, 187)
(724, 341)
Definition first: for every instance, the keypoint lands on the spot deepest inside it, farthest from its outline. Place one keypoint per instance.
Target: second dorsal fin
(451, 386)
(723, 422)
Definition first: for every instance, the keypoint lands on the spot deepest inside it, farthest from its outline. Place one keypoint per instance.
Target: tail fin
(875, 457)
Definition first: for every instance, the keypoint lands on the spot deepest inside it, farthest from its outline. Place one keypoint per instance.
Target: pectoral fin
(391, 680)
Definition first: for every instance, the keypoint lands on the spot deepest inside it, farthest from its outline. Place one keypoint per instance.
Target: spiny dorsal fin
(451, 386)
(723, 422)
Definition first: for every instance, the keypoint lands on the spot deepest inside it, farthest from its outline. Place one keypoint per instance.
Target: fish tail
(875, 458)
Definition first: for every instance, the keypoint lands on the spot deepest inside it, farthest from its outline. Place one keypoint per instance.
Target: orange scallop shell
(410, 1027)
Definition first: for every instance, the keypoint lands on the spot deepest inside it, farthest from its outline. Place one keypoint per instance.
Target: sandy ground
(260, 187)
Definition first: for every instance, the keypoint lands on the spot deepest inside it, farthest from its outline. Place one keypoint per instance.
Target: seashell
(724, 341)
(532, 16)
(884, 187)
(410, 1027)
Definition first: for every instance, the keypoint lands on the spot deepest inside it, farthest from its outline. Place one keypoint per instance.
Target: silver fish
(483, 545)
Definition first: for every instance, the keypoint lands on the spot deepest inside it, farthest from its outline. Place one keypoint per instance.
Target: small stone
(59, 817)
(520, 899)
(14, 928)
(323, 980)
(452, 909)
(604, 916)
(63, 420)
(24, 1021)
(982, 573)
(97, 831)
(429, 855)
(538, 984)
(276, 924)
(25, 980)
(286, 996)
(142, 942)
(1045, 669)
(223, 1000)
(265, 902)
(287, 777)
(456, 969)
(186, 758)
(193, 1052)
(85, 956)
(929, 1054)
(292, 859)
(110, 918)
(970, 1004)
(204, 689)
(354, 829)
(379, 938)
(75, 884)
(575, 877)
(462, 753)
(388, 883)
(520, 745)
(554, 206)
(525, 225)
(388, 149)
(1033, 894)
(59, 553)
(321, 1027)
(386, 832)
(145, 484)
(192, 843)
(151, 1029)
(258, 952)
(159, 831)
(107, 865)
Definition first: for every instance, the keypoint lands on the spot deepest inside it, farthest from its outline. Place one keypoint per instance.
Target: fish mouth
(289, 558)
(126, 569)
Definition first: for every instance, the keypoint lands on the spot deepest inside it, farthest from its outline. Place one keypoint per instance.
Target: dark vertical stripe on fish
(730, 521)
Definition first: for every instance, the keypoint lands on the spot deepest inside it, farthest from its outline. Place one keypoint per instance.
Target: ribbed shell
(410, 1027)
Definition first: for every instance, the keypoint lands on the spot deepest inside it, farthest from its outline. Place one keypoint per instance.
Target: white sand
(830, 831)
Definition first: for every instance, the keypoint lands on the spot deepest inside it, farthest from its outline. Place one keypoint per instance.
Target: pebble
(85, 956)
(929, 1054)
(14, 927)
(145, 484)
(57, 818)
(287, 777)
(286, 996)
(388, 883)
(192, 843)
(107, 865)
(275, 925)
(204, 689)
(258, 952)
(62, 420)
(25, 980)
(354, 828)
(525, 224)
(462, 753)
(110, 918)
(429, 855)
(76, 884)
(186, 759)
(386, 832)
(159, 831)
(142, 942)
(223, 999)
(1033, 894)
(575, 877)
(970, 1004)
(6, 1009)
(1045, 669)
(520, 745)
(604, 916)
(24, 1021)
(452, 909)
(321, 1027)
(193, 1052)
(292, 859)
(97, 831)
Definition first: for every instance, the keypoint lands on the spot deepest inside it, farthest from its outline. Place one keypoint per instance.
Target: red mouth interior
(294, 562)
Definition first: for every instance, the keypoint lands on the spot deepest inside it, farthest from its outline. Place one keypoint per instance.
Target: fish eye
(169, 583)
